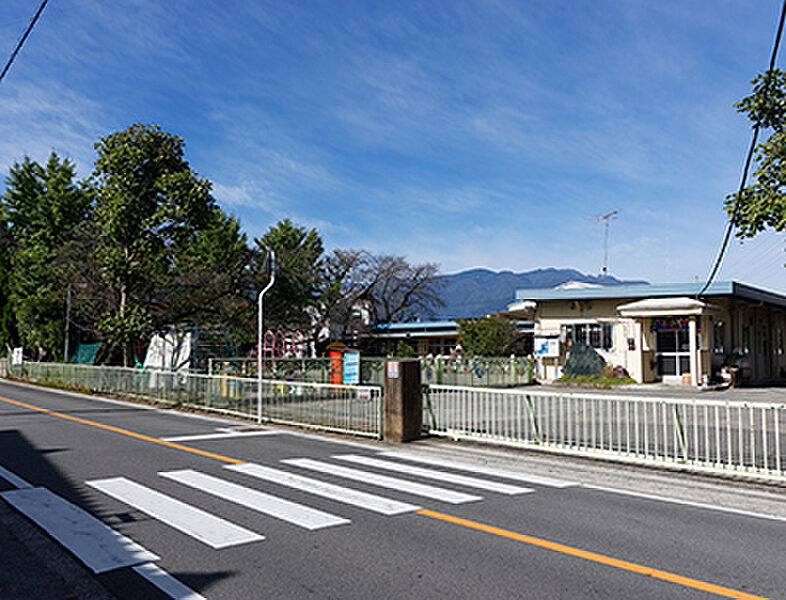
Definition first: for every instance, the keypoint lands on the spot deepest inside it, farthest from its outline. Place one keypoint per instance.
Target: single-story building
(426, 337)
(661, 332)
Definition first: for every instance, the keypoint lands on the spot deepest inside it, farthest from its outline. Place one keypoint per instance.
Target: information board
(351, 368)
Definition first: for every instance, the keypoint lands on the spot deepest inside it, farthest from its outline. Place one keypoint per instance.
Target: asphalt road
(558, 537)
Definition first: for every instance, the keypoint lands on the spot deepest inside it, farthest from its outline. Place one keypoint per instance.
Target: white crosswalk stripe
(219, 533)
(503, 474)
(378, 504)
(291, 512)
(402, 485)
(473, 482)
(203, 526)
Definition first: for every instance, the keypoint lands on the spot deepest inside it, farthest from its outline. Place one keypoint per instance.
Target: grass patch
(597, 381)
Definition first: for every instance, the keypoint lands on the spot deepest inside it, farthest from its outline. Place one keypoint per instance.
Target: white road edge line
(735, 511)
(217, 436)
(92, 541)
(14, 479)
(174, 588)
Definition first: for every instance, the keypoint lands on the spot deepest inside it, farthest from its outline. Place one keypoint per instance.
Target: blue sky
(472, 134)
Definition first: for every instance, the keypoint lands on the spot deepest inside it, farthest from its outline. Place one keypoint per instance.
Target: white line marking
(14, 479)
(166, 583)
(217, 436)
(100, 547)
(735, 511)
(515, 475)
(483, 484)
(291, 512)
(402, 485)
(378, 504)
(192, 521)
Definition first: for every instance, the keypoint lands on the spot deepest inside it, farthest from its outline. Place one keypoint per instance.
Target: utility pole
(606, 219)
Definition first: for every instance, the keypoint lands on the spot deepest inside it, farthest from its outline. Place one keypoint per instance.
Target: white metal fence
(743, 438)
(341, 408)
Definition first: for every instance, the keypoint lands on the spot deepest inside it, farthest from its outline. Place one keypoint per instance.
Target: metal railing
(330, 407)
(316, 370)
(495, 371)
(477, 371)
(742, 438)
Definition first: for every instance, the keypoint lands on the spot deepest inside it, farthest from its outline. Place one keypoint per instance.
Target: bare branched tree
(387, 287)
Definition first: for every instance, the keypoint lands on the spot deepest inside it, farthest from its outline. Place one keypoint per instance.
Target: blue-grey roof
(418, 326)
(431, 327)
(660, 290)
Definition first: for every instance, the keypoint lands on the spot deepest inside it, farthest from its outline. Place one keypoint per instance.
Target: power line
(53, 12)
(767, 81)
(24, 37)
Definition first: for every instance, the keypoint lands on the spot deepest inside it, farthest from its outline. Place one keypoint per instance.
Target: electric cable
(730, 226)
(53, 12)
(24, 37)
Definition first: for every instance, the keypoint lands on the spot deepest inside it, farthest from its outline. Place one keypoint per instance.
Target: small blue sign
(351, 368)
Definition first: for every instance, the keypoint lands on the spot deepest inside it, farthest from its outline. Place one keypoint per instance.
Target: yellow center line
(132, 434)
(592, 556)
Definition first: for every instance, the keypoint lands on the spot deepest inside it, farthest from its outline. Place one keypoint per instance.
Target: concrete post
(3, 368)
(402, 400)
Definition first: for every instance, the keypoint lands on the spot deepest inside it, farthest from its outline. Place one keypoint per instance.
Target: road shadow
(30, 462)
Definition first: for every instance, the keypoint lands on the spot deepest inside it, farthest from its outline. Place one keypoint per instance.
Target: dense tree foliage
(762, 204)
(162, 242)
(143, 246)
(291, 304)
(44, 207)
(489, 336)
(8, 335)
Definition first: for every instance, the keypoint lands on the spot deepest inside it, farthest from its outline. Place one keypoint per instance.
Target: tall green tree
(762, 204)
(292, 302)
(44, 207)
(155, 218)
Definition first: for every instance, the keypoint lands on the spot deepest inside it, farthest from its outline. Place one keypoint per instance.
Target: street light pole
(271, 262)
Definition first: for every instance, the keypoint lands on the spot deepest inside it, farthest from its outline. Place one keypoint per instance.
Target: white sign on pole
(16, 356)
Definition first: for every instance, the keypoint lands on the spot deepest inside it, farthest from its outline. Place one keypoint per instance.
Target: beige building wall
(750, 335)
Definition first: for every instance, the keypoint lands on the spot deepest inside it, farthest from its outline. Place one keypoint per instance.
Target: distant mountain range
(476, 292)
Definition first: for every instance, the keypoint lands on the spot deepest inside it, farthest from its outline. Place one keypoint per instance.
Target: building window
(718, 335)
(596, 335)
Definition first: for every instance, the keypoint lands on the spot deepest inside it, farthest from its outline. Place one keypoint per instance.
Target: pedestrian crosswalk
(218, 533)
(205, 527)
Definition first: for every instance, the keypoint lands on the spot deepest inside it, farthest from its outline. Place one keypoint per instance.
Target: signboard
(393, 369)
(16, 356)
(351, 368)
(672, 324)
(364, 395)
(547, 347)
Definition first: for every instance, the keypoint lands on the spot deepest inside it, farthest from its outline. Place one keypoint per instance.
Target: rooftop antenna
(606, 219)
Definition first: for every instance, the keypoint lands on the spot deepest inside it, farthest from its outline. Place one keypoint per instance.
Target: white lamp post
(270, 263)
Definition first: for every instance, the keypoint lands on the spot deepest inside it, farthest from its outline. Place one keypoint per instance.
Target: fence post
(513, 370)
(402, 401)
